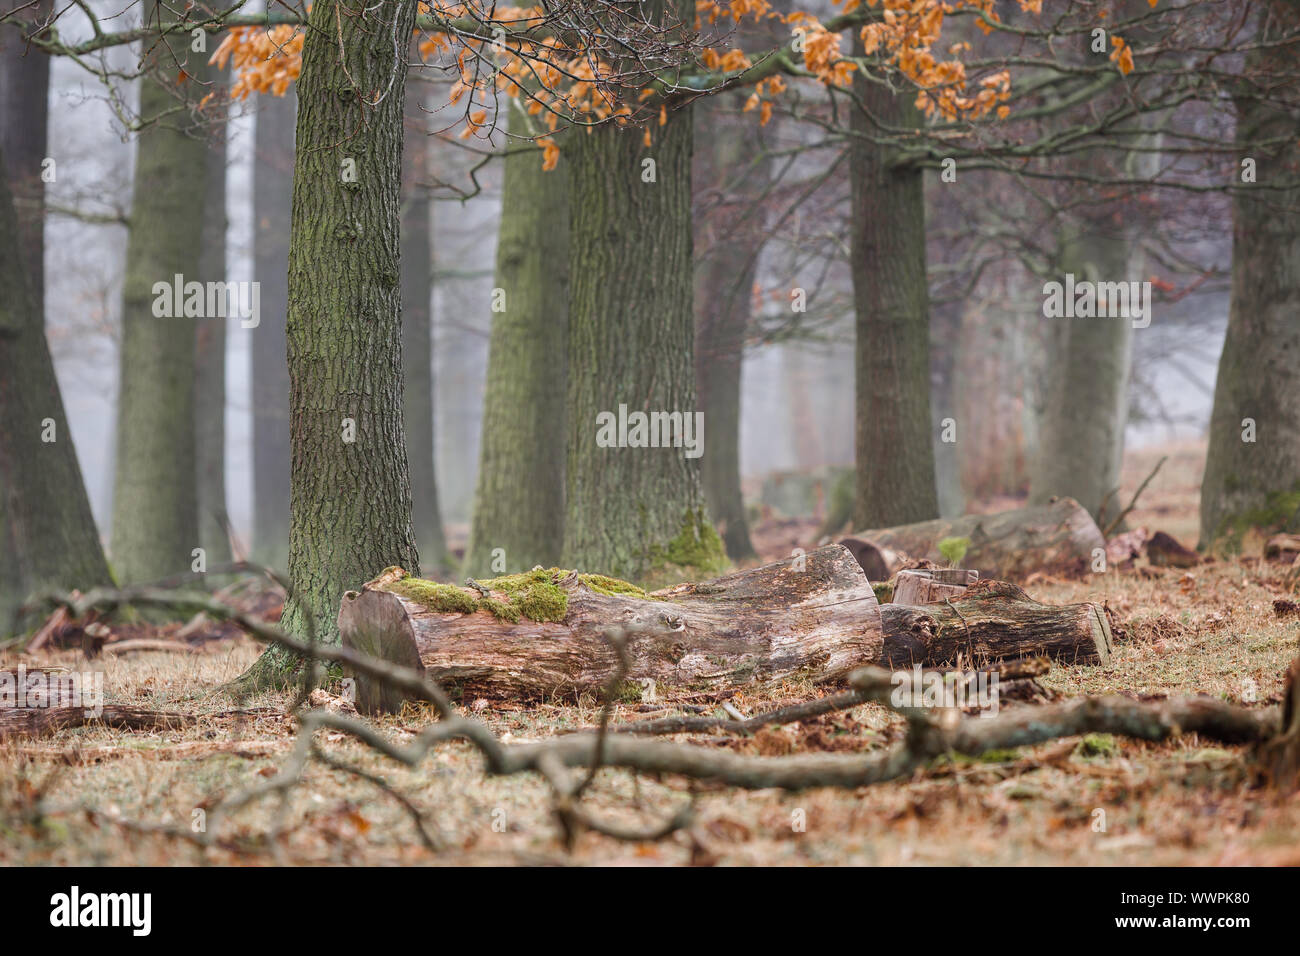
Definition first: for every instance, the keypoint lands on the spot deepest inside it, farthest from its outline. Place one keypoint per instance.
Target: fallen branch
(1119, 518)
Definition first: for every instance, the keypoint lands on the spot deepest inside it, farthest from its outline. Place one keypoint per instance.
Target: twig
(1141, 488)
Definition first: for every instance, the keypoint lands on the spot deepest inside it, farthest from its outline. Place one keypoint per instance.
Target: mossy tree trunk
(350, 496)
(1256, 483)
(273, 159)
(155, 511)
(729, 183)
(893, 447)
(417, 341)
(631, 336)
(47, 532)
(519, 501)
(210, 345)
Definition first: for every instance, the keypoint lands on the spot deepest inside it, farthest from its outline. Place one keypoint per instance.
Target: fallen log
(542, 634)
(993, 621)
(1057, 538)
(35, 721)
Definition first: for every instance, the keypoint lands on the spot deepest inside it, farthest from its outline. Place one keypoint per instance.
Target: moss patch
(533, 595)
(445, 598)
(1278, 511)
(696, 551)
(602, 584)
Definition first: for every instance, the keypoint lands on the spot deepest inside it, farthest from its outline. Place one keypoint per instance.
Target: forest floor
(1210, 630)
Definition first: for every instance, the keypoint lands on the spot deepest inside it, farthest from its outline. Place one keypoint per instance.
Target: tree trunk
(993, 621)
(631, 510)
(47, 532)
(945, 339)
(24, 124)
(155, 510)
(761, 624)
(729, 186)
(1252, 466)
(894, 447)
(1058, 538)
(1082, 432)
(519, 501)
(210, 344)
(350, 493)
(417, 342)
(273, 161)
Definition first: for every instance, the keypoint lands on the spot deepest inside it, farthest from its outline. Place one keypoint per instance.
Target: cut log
(1058, 538)
(929, 585)
(993, 621)
(814, 615)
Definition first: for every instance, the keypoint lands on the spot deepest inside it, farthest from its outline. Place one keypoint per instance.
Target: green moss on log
(534, 595)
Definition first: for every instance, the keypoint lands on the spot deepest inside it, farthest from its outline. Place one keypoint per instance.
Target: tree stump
(930, 585)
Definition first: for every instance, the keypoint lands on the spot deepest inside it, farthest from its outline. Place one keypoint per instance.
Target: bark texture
(1082, 432)
(1060, 537)
(47, 531)
(350, 499)
(417, 341)
(993, 621)
(273, 159)
(730, 175)
(759, 624)
(631, 331)
(519, 500)
(210, 343)
(155, 509)
(1256, 484)
(24, 125)
(893, 447)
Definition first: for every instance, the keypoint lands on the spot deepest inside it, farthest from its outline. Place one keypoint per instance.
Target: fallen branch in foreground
(931, 733)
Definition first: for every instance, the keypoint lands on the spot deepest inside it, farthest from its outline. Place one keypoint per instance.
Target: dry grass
(1182, 803)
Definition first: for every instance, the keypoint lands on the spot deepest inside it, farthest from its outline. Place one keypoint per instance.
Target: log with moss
(993, 621)
(1058, 538)
(541, 634)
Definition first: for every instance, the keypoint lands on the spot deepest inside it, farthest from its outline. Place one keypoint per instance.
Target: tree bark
(730, 227)
(1252, 479)
(155, 509)
(350, 496)
(417, 342)
(519, 500)
(273, 162)
(24, 126)
(210, 343)
(47, 532)
(993, 621)
(818, 619)
(1082, 432)
(1058, 538)
(894, 447)
(631, 510)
